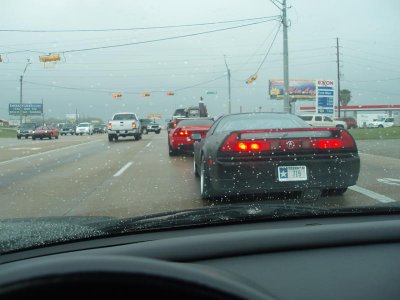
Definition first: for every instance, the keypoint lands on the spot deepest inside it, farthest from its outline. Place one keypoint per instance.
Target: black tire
(337, 192)
(110, 138)
(33, 138)
(41, 138)
(56, 137)
(145, 131)
(206, 190)
(171, 151)
(18, 137)
(49, 137)
(158, 132)
(380, 126)
(137, 136)
(195, 169)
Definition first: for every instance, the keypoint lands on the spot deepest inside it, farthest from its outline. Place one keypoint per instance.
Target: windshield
(267, 108)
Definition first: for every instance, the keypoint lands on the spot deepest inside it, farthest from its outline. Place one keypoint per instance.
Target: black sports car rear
(273, 152)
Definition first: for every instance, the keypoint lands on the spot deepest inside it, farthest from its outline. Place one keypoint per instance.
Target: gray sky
(368, 33)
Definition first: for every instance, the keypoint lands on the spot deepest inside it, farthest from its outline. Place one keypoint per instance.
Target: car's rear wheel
(56, 137)
(206, 190)
(158, 132)
(380, 126)
(33, 138)
(110, 138)
(171, 151)
(18, 137)
(195, 169)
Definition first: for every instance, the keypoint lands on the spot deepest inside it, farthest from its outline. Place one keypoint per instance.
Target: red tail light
(182, 132)
(233, 144)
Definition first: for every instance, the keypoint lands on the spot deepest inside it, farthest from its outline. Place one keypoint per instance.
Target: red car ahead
(179, 138)
(45, 132)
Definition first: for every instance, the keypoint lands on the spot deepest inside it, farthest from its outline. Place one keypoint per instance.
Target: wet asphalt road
(87, 175)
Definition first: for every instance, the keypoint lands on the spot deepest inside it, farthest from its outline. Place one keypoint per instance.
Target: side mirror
(196, 137)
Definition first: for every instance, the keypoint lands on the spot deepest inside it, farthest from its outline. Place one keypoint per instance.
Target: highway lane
(91, 176)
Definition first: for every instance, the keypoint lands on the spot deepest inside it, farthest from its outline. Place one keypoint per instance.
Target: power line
(270, 47)
(137, 28)
(145, 42)
(164, 39)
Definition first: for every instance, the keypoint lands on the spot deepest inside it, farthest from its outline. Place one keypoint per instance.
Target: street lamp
(20, 92)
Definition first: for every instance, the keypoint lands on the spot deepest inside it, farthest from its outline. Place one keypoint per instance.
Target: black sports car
(274, 152)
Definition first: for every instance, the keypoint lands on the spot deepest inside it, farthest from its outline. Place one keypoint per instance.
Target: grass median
(8, 132)
(376, 133)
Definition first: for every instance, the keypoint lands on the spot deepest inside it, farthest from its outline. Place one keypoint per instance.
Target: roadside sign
(325, 97)
(27, 108)
(154, 116)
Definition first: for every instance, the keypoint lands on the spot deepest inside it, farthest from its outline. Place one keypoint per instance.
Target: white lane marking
(26, 148)
(391, 181)
(148, 144)
(123, 169)
(43, 153)
(371, 194)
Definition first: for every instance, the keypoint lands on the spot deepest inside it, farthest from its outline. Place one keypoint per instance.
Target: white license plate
(292, 173)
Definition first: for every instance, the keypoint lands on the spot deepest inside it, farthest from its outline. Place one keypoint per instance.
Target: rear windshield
(260, 121)
(28, 125)
(124, 117)
(83, 125)
(204, 122)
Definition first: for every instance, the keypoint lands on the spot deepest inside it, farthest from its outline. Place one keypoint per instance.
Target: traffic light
(50, 58)
(251, 79)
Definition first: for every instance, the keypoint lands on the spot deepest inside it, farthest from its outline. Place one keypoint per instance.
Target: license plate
(292, 173)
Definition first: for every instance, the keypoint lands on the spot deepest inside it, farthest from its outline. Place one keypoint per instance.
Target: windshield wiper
(234, 213)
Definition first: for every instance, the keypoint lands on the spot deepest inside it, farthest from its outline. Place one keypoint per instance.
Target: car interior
(352, 257)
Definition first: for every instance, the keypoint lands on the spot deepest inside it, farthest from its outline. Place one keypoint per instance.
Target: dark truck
(150, 125)
(26, 130)
(199, 111)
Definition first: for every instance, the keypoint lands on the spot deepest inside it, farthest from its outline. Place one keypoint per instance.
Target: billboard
(27, 108)
(298, 89)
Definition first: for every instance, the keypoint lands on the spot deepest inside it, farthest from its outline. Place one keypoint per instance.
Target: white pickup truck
(323, 121)
(123, 125)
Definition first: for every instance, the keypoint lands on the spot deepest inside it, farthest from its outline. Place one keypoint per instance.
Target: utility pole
(229, 86)
(338, 74)
(286, 100)
(21, 78)
(42, 113)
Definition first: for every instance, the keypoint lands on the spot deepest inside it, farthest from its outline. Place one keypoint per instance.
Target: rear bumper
(41, 135)
(262, 176)
(123, 133)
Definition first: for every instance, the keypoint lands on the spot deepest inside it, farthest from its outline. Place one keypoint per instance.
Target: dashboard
(354, 257)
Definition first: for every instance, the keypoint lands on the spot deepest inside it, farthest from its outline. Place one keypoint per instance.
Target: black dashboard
(317, 258)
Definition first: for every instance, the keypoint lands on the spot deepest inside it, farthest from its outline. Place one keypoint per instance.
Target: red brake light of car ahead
(182, 132)
(109, 126)
(133, 125)
(233, 144)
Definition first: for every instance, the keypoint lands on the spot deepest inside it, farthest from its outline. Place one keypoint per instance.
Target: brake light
(233, 144)
(182, 132)
(328, 144)
(133, 125)
(109, 125)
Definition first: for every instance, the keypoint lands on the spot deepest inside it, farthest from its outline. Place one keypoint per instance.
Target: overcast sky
(367, 31)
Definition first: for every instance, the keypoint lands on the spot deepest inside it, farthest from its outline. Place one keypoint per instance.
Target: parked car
(84, 128)
(323, 121)
(67, 129)
(382, 123)
(26, 130)
(179, 138)
(42, 132)
(350, 122)
(274, 152)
